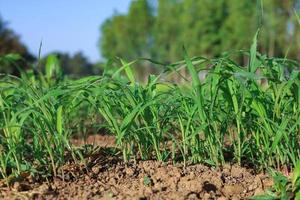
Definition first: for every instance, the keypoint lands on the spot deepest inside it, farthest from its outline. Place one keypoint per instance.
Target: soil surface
(97, 140)
(107, 177)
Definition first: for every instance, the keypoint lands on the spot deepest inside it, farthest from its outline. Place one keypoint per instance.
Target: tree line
(72, 65)
(158, 29)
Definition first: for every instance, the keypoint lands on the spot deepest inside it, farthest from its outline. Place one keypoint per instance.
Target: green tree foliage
(204, 27)
(114, 37)
(10, 44)
(167, 31)
(128, 36)
(140, 23)
(239, 24)
(202, 22)
(279, 28)
(76, 65)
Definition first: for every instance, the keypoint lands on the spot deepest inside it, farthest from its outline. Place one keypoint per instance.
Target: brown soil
(98, 140)
(106, 177)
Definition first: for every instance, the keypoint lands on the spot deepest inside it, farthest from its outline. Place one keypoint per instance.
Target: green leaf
(264, 197)
(52, 66)
(12, 57)
(124, 67)
(59, 120)
(130, 117)
(147, 181)
(296, 176)
(253, 53)
(196, 84)
(297, 16)
(129, 72)
(297, 196)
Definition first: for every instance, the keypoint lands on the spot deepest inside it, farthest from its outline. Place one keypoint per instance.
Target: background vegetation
(158, 29)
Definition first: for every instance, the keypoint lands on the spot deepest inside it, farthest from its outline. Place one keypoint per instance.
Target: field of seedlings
(233, 127)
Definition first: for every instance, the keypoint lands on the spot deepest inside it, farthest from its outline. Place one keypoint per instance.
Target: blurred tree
(114, 37)
(128, 36)
(167, 31)
(295, 36)
(240, 24)
(201, 26)
(279, 27)
(140, 25)
(74, 66)
(79, 65)
(10, 43)
(204, 27)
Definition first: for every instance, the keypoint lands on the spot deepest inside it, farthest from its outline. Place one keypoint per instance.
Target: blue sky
(63, 25)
